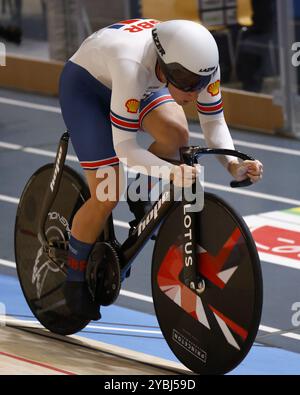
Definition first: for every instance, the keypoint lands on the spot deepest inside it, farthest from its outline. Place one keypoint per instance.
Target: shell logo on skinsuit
(132, 106)
(214, 88)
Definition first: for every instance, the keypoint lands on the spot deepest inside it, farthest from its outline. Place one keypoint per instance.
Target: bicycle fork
(191, 276)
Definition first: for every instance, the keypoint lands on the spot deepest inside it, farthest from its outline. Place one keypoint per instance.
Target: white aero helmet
(187, 53)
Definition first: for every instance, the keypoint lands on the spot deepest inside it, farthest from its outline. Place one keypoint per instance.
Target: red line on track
(37, 363)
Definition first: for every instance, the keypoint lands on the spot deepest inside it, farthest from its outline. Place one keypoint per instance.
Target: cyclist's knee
(108, 205)
(105, 186)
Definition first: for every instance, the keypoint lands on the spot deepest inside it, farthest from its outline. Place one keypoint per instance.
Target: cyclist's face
(182, 97)
(179, 96)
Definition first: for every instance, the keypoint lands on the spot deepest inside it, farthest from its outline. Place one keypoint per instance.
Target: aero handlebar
(189, 155)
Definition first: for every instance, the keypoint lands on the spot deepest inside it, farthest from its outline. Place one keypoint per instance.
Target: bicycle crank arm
(57, 253)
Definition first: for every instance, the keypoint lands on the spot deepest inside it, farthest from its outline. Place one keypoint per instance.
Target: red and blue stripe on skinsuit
(85, 105)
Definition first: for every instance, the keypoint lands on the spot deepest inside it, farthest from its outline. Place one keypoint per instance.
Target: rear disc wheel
(41, 279)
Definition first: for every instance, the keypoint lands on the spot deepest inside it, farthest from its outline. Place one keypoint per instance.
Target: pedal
(58, 250)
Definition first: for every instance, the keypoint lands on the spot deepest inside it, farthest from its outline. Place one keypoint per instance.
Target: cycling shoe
(79, 300)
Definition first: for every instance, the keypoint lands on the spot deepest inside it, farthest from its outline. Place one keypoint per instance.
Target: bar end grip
(239, 184)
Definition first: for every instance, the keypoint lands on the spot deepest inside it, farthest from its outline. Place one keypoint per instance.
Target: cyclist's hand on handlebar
(252, 169)
(184, 175)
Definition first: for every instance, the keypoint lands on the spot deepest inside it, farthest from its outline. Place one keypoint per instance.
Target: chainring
(103, 274)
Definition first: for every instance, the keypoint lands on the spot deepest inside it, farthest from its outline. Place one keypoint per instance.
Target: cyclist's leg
(85, 105)
(87, 225)
(85, 109)
(166, 122)
(90, 219)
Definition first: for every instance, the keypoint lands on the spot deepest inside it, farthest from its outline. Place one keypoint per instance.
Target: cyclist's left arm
(217, 134)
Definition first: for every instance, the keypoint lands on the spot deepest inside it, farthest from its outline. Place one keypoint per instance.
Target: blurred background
(255, 39)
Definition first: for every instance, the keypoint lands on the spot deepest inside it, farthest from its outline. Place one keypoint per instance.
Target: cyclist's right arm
(127, 147)
(128, 86)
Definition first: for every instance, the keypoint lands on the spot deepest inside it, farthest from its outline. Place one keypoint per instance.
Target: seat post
(52, 187)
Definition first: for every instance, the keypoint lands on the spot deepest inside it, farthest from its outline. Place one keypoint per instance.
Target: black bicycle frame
(148, 224)
(50, 194)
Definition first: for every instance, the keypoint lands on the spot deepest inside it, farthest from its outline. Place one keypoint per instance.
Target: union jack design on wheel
(210, 267)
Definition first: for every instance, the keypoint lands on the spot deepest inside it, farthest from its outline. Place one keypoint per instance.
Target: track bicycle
(208, 310)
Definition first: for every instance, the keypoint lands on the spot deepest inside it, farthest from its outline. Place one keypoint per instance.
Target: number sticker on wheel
(209, 333)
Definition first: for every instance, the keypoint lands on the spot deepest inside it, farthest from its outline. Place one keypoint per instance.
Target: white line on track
(36, 324)
(248, 144)
(9, 199)
(3, 144)
(35, 151)
(122, 224)
(218, 187)
(262, 328)
(111, 328)
(276, 331)
(128, 294)
(33, 106)
(137, 296)
(6, 263)
(258, 195)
